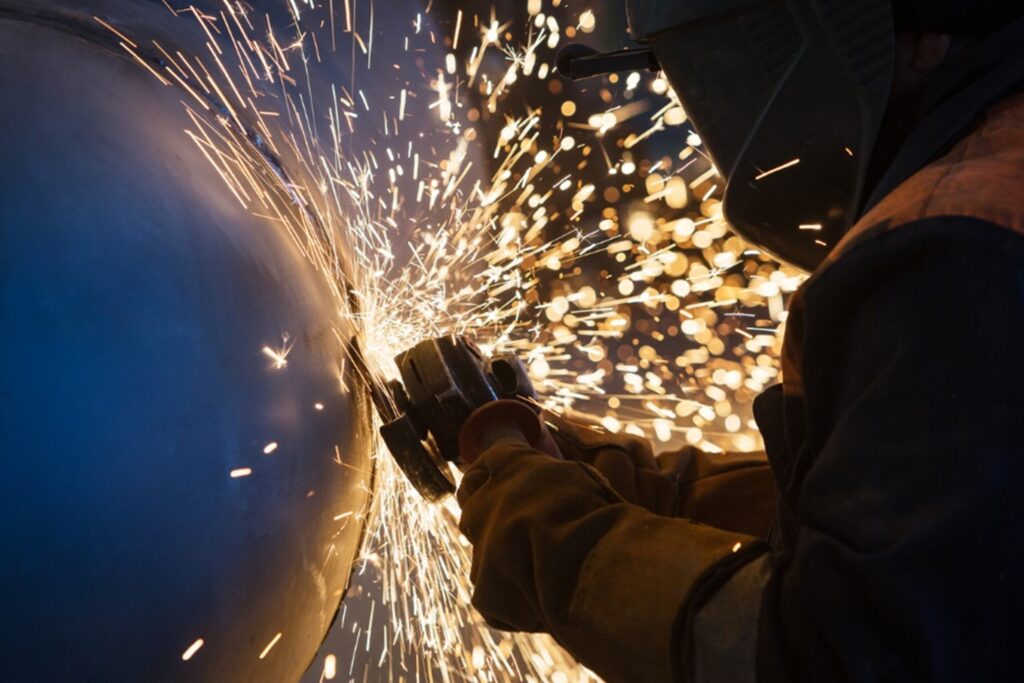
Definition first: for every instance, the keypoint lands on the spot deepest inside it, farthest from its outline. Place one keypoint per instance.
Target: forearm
(635, 585)
(556, 549)
(730, 491)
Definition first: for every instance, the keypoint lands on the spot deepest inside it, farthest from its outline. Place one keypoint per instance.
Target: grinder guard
(443, 382)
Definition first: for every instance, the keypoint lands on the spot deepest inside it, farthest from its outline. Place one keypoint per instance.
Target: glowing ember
(270, 645)
(330, 667)
(192, 649)
(280, 358)
(777, 169)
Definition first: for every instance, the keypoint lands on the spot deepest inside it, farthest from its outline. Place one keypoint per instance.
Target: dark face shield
(788, 96)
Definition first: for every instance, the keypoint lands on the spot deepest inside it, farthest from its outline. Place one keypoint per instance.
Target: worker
(881, 537)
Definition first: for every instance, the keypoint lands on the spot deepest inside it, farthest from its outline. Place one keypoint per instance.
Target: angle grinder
(443, 382)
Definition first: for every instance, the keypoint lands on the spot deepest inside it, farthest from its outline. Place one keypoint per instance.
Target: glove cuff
(631, 590)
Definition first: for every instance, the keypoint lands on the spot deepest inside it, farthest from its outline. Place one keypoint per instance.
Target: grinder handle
(501, 419)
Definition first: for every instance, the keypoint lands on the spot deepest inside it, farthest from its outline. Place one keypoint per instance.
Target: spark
(144, 63)
(270, 448)
(458, 30)
(192, 649)
(240, 472)
(444, 105)
(279, 356)
(270, 645)
(117, 33)
(783, 167)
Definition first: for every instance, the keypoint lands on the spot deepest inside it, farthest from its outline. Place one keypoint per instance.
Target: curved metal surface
(136, 297)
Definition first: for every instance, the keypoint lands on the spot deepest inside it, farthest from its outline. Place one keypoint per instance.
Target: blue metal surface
(136, 296)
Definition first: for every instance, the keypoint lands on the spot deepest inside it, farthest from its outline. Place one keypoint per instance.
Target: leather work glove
(625, 461)
(557, 550)
(734, 491)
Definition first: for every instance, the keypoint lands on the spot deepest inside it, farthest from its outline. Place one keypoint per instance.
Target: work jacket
(896, 438)
(881, 536)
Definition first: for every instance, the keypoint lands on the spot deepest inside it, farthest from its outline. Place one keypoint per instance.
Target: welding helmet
(788, 97)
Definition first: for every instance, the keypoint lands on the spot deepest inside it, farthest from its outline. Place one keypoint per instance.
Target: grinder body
(444, 381)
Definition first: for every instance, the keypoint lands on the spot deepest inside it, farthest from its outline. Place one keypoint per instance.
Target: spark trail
(473, 196)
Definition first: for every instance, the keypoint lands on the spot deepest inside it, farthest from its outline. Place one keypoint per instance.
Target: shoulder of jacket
(982, 178)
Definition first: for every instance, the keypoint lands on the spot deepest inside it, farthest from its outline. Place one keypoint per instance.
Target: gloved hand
(556, 549)
(734, 491)
(625, 461)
